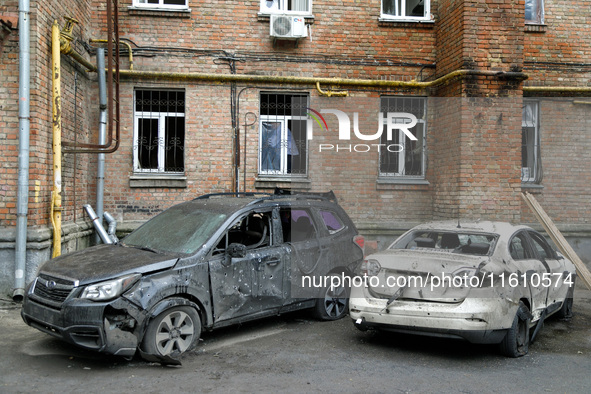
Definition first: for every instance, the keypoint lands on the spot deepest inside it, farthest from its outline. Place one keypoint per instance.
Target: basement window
(534, 12)
(283, 145)
(531, 165)
(159, 132)
(162, 4)
(401, 156)
(406, 10)
(300, 7)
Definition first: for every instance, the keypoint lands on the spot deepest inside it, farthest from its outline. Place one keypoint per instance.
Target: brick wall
(473, 138)
(558, 52)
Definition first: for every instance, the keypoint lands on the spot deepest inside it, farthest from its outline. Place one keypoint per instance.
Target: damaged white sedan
(488, 282)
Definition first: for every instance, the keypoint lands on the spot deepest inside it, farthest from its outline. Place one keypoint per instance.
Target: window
(165, 4)
(297, 225)
(403, 156)
(518, 247)
(534, 12)
(531, 167)
(159, 131)
(331, 221)
(406, 9)
(282, 134)
(544, 250)
(286, 6)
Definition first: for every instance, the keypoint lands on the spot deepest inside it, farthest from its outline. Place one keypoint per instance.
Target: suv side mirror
(236, 250)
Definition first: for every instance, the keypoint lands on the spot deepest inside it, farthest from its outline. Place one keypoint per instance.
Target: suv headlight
(105, 291)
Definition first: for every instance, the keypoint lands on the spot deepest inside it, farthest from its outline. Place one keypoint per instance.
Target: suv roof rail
(330, 196)
(278, 193)
(230, 194)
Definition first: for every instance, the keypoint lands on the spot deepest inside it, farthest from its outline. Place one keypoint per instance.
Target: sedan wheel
(173, 332)
(516, 342)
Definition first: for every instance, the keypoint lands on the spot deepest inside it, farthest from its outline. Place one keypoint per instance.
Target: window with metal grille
(402, 156)
(283, 148)
(286, 6)
(409, 10)
(531, 165)
(159, 131)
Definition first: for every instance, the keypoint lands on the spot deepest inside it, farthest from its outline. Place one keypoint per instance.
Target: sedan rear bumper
(475, 320)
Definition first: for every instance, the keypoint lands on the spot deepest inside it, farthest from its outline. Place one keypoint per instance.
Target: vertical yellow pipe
(56, 205)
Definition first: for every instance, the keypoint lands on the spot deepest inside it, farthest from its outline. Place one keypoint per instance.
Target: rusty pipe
(128, 45)
(212, 77)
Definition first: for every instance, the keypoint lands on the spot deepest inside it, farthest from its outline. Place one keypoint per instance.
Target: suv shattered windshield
(180, 229)
(446, 241)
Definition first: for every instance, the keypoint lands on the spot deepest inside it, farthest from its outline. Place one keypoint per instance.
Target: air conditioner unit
(288, 27)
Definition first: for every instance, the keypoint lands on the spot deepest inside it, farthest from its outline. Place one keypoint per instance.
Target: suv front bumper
(104, 327)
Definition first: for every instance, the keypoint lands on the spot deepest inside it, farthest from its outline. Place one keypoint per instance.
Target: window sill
(535, 28)
(166, 181)
(389, 183)
(271, 182)
(263, 17)
(159, 12)
(532, 187)
(421, 23)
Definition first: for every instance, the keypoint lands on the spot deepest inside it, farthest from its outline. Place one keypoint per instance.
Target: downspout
(22, 207)
(56, 195)
(100, 177)
(98, 226)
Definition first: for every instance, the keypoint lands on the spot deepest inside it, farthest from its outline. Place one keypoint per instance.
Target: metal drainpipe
(23, 155)
(100, 177)
(56, 206)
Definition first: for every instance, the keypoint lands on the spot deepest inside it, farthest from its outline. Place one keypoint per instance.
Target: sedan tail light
(370, 267)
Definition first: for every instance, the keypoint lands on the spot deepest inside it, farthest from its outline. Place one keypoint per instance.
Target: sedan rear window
(448, 241)
(180, 229)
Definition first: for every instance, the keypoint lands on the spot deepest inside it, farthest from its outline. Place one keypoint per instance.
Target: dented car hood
(104, 262)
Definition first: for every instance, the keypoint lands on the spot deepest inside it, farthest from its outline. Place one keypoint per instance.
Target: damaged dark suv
(218, 260)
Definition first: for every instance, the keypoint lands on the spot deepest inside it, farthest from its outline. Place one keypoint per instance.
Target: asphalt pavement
(295, 353)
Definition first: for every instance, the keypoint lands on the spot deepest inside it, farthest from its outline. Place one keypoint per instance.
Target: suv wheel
(333, 302)
(173, 332)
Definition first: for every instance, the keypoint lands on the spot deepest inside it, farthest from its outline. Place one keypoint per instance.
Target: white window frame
(532, 174)
(161, 116)
(280, 7)
(161, 5)
(284, 121)
(402, 140)
(539, 15)
(400, 12)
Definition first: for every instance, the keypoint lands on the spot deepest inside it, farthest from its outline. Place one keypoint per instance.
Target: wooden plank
(558, 238)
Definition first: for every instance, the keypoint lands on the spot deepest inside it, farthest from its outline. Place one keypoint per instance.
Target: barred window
(159, 131)
(402, 156)
(282, 134)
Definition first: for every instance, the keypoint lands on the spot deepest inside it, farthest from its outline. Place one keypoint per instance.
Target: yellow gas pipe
(56, 195)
